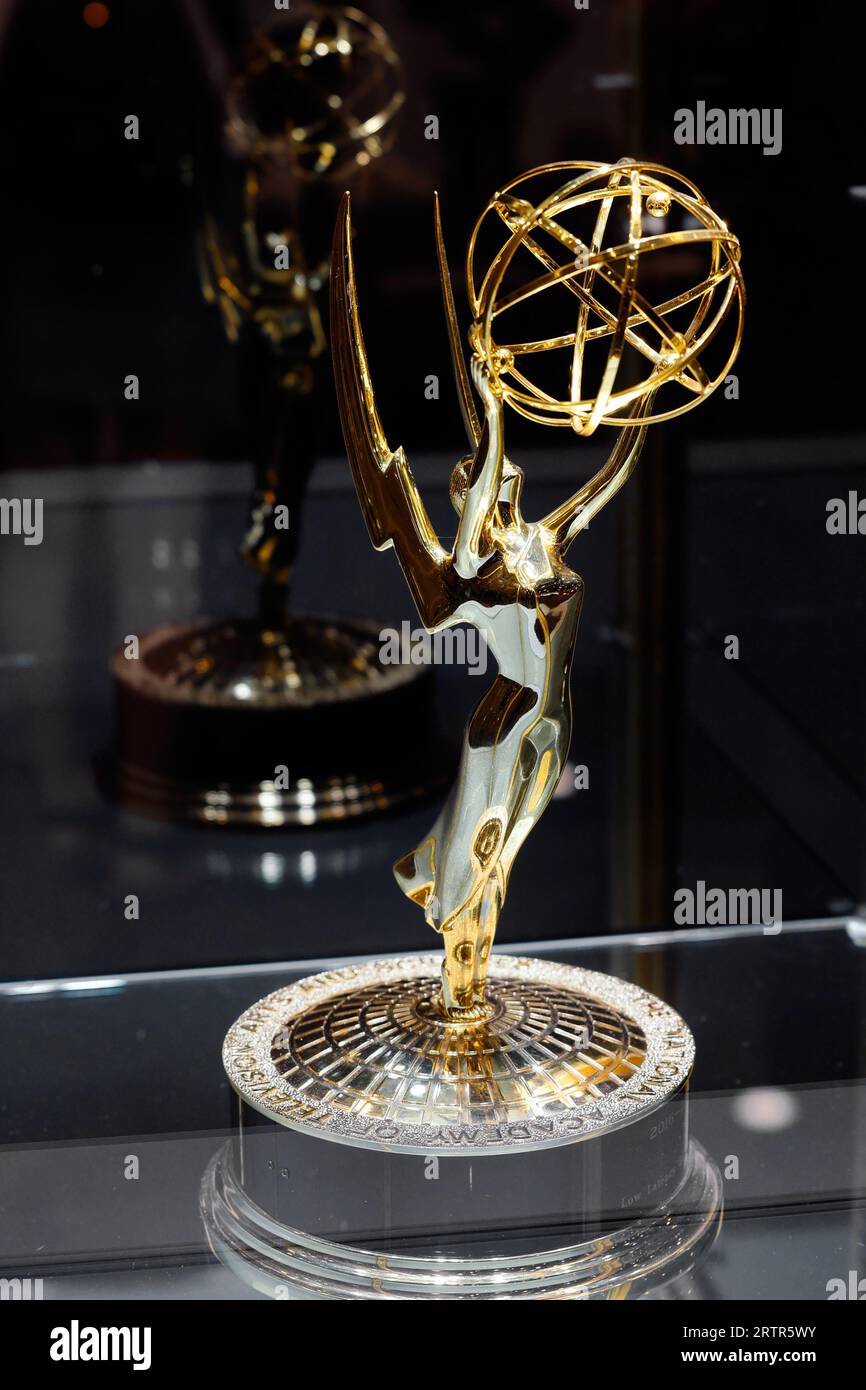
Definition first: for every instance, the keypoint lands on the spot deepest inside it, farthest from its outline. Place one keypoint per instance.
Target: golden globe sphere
(649, 293)
(320, 93)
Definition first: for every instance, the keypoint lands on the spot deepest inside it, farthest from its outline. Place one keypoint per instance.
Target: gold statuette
(279, 717)
(525, 1045)
(505, 574)
(571, 1084)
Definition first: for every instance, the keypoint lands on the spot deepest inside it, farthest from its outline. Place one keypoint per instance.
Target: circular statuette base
(240, 664)
(232, 723)
(365, 1056)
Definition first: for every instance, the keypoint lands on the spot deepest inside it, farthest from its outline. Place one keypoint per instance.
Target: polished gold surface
(505, 574)
(366, 1055)
(659, 227)
(542, 1051)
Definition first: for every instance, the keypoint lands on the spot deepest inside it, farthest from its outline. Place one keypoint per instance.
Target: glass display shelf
(115, 1104)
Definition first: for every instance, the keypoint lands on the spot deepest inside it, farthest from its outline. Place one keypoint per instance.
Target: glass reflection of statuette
(215, 718)
(567, 1087)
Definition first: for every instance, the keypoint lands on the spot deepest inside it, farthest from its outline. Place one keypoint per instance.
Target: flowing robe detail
(514, 750)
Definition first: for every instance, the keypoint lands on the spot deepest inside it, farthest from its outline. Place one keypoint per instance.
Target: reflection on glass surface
(101, 1069)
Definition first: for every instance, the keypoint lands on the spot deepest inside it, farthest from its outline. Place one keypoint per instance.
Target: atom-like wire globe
(321, 93)
(649, 294)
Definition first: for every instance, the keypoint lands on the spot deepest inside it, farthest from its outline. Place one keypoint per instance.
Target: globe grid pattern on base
(387, 1053)
(638, 1054)
(616, 312)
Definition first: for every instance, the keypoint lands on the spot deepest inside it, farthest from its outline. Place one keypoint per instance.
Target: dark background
(97, 234)
(742, 774)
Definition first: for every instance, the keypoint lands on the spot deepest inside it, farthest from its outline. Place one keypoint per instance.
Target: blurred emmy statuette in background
(279, 717)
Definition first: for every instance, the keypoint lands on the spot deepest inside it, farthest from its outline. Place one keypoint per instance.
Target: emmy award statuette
(555, 1097)
(212, 710)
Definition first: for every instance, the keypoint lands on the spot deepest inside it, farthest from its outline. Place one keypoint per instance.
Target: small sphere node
(587, 315)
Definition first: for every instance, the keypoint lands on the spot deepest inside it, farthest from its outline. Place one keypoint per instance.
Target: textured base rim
(631, 1262)
(248, 1058)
